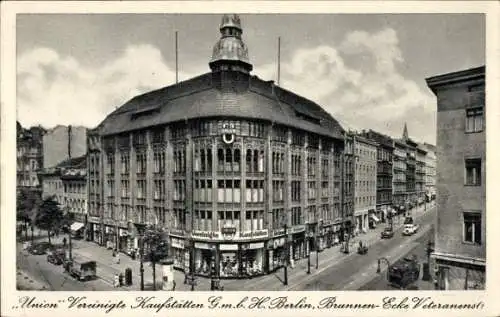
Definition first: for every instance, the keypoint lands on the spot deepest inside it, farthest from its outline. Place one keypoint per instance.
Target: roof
(76, 162)
(202, 96)
(454, 77)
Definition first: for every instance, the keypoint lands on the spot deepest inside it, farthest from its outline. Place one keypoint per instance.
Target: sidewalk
(107, 268)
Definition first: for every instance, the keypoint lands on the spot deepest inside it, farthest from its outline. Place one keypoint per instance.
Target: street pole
(317, 245)
(191, 262)
(309, 261)
(70, 245)
(142, 263)
(287, 255)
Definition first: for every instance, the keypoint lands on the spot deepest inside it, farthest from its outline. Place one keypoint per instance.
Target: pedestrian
(64, 242)
(117, 258)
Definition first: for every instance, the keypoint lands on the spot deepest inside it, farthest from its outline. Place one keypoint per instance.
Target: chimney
(69, 143)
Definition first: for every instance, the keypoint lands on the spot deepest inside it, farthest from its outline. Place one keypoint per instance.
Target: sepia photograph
(185, 158)
(240, 152)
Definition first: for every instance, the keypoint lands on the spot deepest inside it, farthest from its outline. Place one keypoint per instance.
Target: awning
(77, 226)
(374, 218)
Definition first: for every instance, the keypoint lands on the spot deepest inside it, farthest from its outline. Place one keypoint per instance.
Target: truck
(81, 270)
(404, 272)
(410, 229)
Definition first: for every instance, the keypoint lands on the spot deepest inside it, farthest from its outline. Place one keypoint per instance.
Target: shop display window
(228, 264)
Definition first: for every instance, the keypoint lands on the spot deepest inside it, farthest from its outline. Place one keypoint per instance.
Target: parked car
(83, 271)
(410, 229)
(39, 248)
(387, 233)
(56, 257)
(404, 272)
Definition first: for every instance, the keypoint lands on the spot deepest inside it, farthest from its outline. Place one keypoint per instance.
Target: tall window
(295, 190)
(179, 219)
(179, 190)
(203, 190)
(229, 217)
(110, 166)
(254, 220)
(324, 189)
(255, 161)
(278, 215)
(159, 162)
(311, 166)
(473, 172)
(141, 163)
(474, 120)
(278, 189)
(203, 160)
(472, 227)
(125, 162)
(203, 220)
(159, 190)
(179, 161)
(141, 189)
(229, 160)
(254, 191)
(125, 188)
(296, 216)
(278, 162)
(296, 164)
(228, 191)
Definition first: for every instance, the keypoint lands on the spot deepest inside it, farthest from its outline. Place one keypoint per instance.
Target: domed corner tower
(230, 53)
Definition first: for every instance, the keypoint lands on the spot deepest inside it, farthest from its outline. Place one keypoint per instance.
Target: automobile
(56, 257)
(39, 248)
(404, 272)
(387, 233)
(408, 220)
(410, 229)
(81, 270)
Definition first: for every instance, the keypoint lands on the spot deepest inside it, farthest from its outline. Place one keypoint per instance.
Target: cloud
(54, 89)
(359, 83)
(357, 80)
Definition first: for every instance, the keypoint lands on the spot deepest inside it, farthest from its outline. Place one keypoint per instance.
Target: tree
(27, 203)
(49, 216)
(155, 239)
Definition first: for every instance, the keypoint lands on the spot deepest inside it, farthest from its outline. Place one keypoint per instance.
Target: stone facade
(460, 241)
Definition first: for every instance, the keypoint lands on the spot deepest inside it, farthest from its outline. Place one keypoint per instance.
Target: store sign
(258, 245)
(278, 232)
(228, 247)
(254, 234)
(199, 245)
(177, 232)
(94, 219)
(278, 242)
(206, 234)
(177, 243)
(228, 131)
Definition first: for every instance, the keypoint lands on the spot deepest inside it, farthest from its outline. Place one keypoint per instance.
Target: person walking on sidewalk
(117, 258)
(64, 242)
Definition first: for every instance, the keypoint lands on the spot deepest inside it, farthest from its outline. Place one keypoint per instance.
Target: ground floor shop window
(178, 255)
(203, 259)
(251, 262)
(277, 258)
(228, 264)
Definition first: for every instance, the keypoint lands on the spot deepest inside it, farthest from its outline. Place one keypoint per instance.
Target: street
(352, 274)
(337, 271)
(380, 282)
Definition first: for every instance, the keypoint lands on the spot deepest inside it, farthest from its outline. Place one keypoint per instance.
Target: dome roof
(230, 47)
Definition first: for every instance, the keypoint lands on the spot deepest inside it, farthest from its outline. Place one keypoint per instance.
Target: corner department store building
(222, 161)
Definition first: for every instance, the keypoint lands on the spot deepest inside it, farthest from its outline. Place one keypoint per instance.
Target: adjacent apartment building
(365, 183)
(29, 156)
(460, 242)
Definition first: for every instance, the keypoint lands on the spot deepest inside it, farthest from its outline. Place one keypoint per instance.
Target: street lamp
(318, 244)
(287, 255)
(141, 255)
(309, 259)
(388, 265)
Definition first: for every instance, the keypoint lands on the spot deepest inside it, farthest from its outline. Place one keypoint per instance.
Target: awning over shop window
(77, 226)
(374, 218)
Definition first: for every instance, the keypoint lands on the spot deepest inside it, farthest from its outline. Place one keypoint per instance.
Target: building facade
(74, 199)
(399, 191)
(430, 171)
(229, 164)
(29, 156)
(460, 240)
(63, 142)
(420, 172)
(385, 152)
(365, 182)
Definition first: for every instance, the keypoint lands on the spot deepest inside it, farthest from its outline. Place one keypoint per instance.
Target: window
(141, 189)
(159, 190)
(254, 191)
(159, 162)
(125, 162)
(473, 172)
(278, 163)
(278, 187)
(179, 161)
(295, 190)
(278, 218)
(254, 220)
(203, 190)
(474, 120)
(125, 187)
(179, 190)
(203, 220)
(110, 166)
(179, 219)
(472, 227)
(141, 163)
(296, 216)
(229, 217)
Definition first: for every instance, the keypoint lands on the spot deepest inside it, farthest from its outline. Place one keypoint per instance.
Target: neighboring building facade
(29, 156)
(385, 150)
(61, 142)
(460, 239)
(228, 163)
(430, 171)
(365, 182)
(399, 191)
(52, 185)
(420, 180)
(74, 200)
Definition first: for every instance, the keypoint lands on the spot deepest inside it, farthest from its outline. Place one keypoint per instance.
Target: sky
(368, 71)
